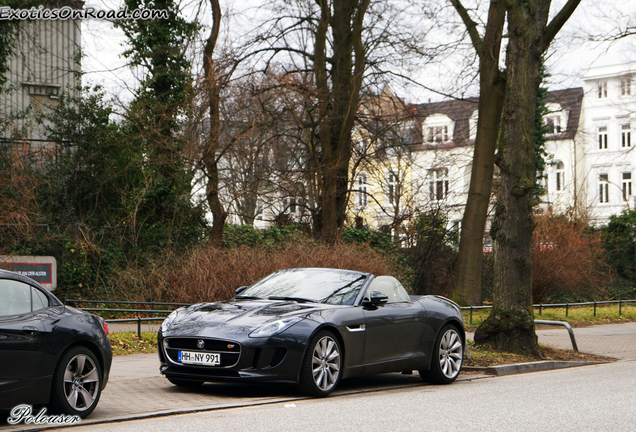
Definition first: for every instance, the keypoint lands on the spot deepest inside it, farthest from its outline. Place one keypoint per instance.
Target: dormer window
(438, 134)
(553, 124)
(556, 119)
(437, 129)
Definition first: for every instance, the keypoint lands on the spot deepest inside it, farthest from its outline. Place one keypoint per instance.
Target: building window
(602, 137)
(627, 186)
(602, 89)
(553, 124)
(560, 176)
(626, 86)
(626, 135)
(293, 205)
(438, 134)
(362, 198)
(438, 186)
(603, 185)
(393, 188)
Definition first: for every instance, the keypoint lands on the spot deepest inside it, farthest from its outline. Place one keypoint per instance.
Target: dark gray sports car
(49, 353)
(313, 326)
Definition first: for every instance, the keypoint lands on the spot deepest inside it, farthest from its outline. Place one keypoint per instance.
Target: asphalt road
(591, 398)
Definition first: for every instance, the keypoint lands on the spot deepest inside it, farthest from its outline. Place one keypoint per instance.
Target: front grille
(230, 351)
(210, 344)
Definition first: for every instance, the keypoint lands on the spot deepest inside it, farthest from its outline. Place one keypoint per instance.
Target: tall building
(45, 64)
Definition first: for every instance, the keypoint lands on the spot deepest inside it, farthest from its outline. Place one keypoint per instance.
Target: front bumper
(277, 358)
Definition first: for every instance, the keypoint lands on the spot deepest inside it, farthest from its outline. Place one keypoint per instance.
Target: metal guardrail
(138, 319)
(564, 324)
(567, 306)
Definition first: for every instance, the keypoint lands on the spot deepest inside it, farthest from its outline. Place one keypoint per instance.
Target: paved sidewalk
(609, 340)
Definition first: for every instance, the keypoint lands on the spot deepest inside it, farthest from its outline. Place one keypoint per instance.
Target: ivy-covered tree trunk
(510, 325)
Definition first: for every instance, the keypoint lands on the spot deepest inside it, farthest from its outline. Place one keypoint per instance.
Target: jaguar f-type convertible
(313, 326)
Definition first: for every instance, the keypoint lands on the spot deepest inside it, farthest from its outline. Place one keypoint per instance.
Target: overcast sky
(571, 53)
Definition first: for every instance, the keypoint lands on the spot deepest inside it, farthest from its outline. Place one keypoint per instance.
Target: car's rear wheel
(321, 366)
(185, 383)
(447, 358)
(76, 385)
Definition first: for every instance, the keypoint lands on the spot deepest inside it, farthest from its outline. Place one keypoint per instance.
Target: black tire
(447, 357)
(185, 383)
(321, 369)
(77, 383)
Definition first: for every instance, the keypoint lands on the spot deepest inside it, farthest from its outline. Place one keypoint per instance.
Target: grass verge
(124, 343)
(577, 316)
(484, 356)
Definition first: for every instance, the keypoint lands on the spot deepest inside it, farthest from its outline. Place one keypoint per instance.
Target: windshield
(321, 286)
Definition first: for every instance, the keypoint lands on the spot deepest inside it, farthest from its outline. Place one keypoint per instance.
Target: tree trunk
(338, 105)
(510, 325)
(492, 87)
(210, 163)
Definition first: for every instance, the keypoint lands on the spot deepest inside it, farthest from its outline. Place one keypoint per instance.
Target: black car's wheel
(185, 383)
(76, 385)
(320, 371)
(447, 357)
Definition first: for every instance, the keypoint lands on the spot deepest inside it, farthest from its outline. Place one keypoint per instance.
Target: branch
(471, 26)
(558, 21)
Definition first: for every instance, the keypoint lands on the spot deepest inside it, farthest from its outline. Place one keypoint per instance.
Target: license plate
(199, 358)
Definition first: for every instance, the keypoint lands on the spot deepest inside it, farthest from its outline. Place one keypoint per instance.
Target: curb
(520, 368)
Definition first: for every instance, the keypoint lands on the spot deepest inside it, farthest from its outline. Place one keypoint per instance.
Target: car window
(389, 286)
(323, 286)
(40, 300)
(15, 297)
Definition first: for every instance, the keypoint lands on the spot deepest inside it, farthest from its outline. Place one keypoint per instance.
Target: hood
(222, 319)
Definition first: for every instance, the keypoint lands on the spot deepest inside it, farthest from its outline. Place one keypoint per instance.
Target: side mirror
(377, 298)
(240, 290)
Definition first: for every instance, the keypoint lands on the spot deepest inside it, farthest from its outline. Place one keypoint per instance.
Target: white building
(609, 111)
(565, 146)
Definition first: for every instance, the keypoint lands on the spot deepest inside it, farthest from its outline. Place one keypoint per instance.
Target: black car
(50, 354)
(313, 326)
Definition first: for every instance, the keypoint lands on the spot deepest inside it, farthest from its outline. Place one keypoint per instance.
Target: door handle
(30, 329)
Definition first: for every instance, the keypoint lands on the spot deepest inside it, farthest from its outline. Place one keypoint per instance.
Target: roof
(570, 100)
(461, 110)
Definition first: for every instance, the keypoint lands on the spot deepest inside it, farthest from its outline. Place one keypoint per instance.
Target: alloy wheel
(81, 382)
(450, 353)
(325, 363)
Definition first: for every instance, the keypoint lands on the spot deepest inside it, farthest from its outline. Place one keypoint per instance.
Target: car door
(22, 336)
(394, 330)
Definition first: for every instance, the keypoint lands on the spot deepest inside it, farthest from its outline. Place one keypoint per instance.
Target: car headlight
(166, 323)
(274, 327)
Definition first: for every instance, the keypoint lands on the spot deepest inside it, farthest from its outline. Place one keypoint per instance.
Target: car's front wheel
(447, 358)
(76, 385)
(320, 371)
